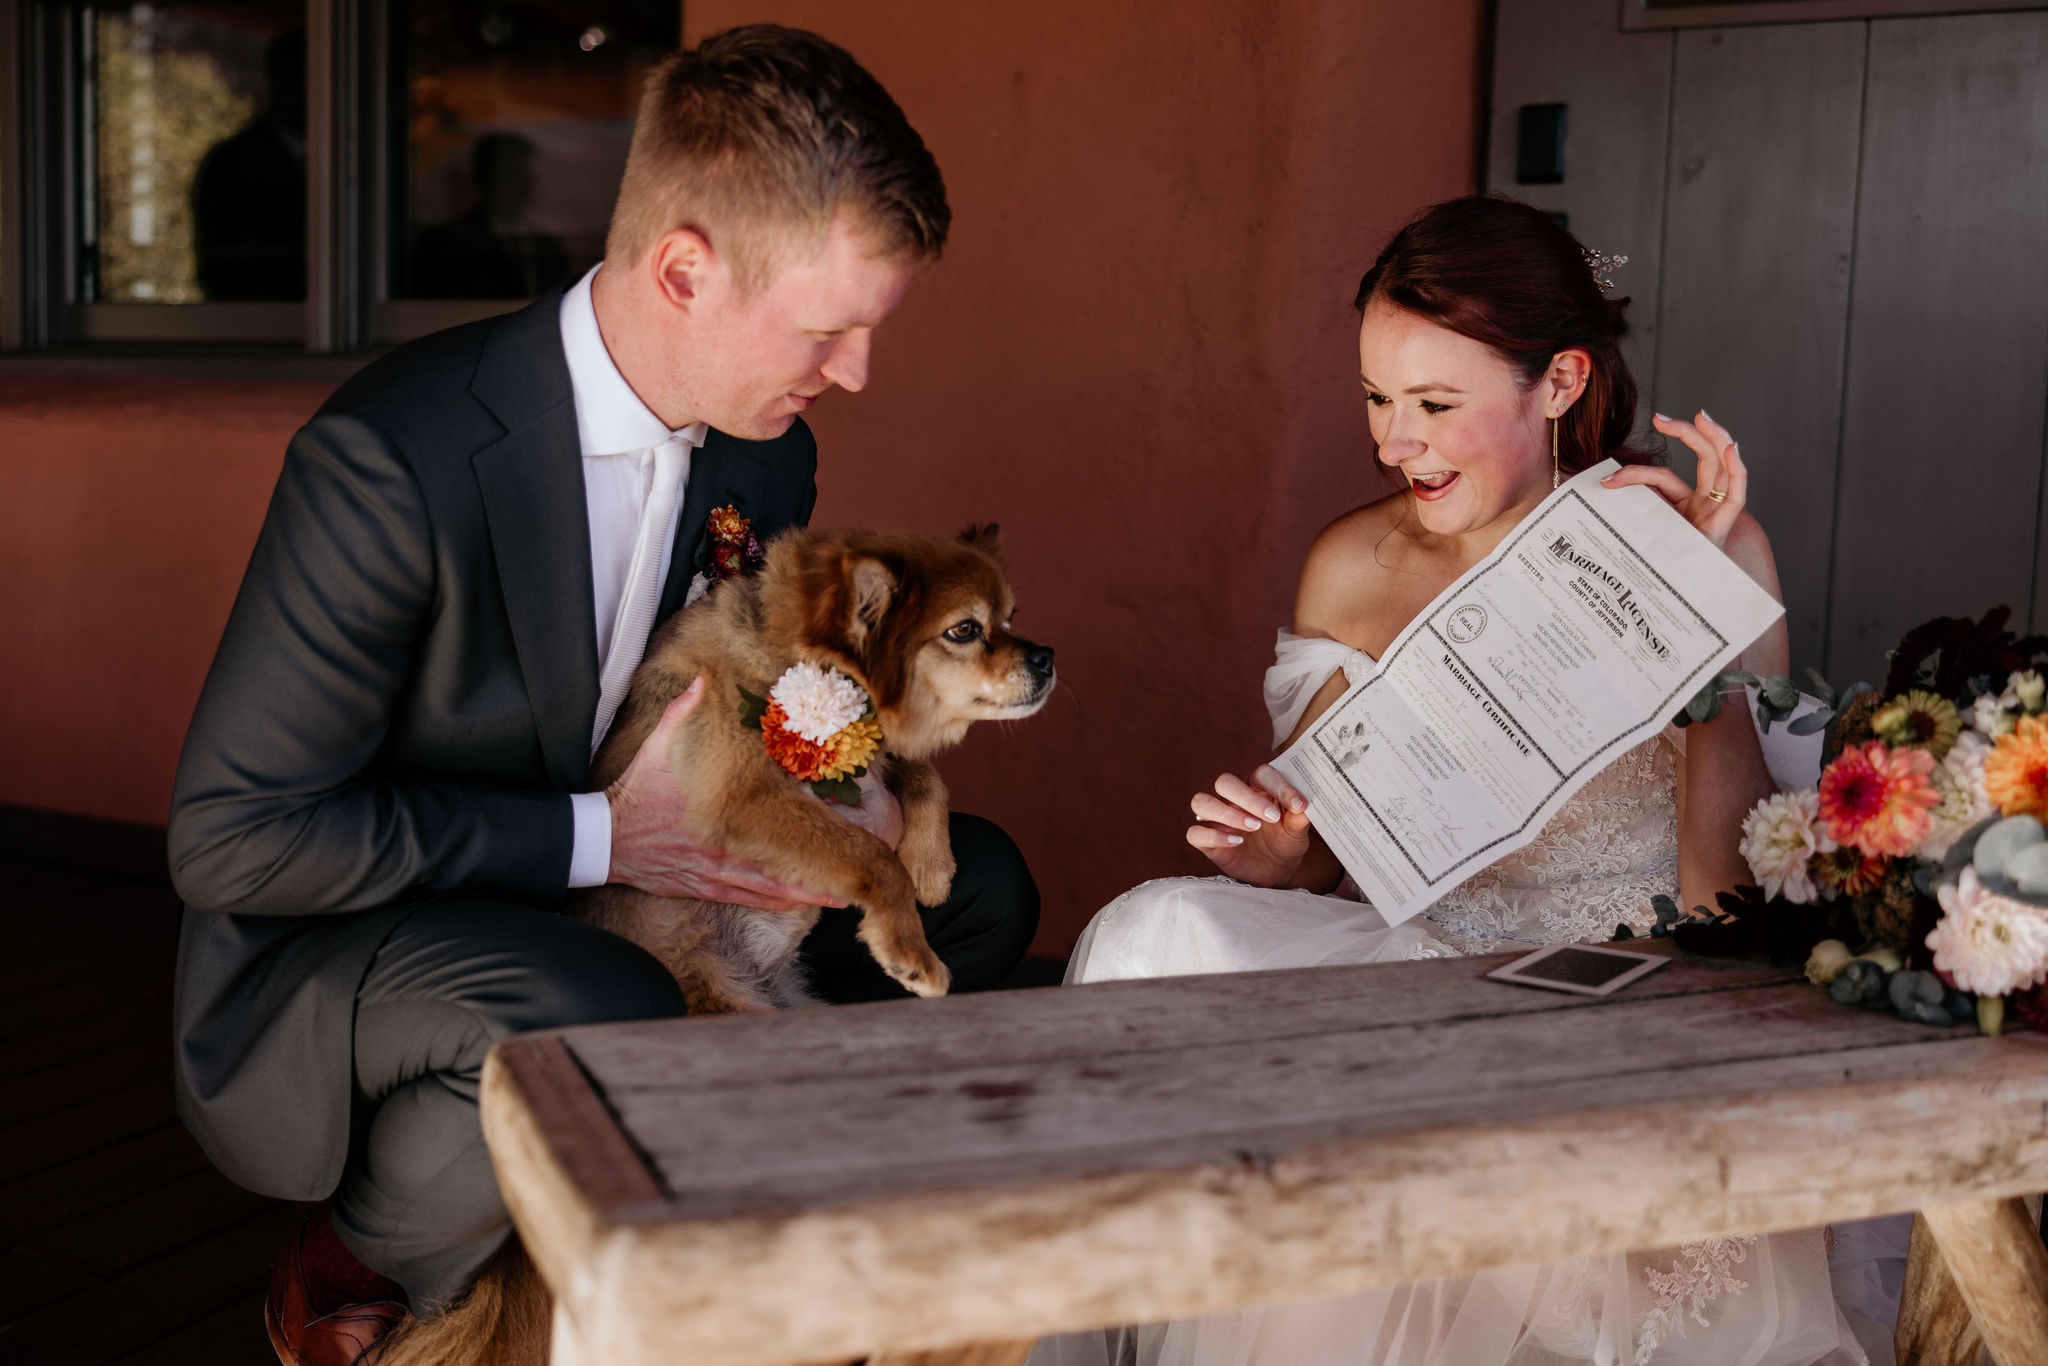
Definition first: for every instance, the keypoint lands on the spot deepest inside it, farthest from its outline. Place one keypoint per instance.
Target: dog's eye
(965, 632)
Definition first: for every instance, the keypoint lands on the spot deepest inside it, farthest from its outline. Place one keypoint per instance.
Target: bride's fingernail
(1236, 839)
(1250, 824)
(1272, 813)
(1660, 417)
(1296, 806)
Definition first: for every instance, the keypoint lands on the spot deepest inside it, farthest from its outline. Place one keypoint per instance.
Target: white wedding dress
(1757, 1301)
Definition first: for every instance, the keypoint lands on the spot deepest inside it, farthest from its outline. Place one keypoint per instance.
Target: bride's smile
(1430, 487)
(1454, 420)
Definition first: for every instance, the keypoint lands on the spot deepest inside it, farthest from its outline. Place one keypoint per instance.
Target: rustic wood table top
(824, 1184)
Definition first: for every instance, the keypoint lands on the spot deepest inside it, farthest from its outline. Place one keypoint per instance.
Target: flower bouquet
(1922, 844)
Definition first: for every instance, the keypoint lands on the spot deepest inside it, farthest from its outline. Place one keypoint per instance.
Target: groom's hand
(651, 849)
(1256, 831)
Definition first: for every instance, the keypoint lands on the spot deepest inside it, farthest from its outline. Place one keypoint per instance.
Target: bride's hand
(1256, 832)
(1721, 471)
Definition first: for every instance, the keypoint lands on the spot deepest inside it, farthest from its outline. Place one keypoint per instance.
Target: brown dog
(922, 624)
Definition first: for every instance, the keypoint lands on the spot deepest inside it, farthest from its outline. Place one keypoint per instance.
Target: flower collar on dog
(819, 726)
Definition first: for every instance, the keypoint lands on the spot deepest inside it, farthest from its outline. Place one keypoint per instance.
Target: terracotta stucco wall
(127, 511)
(1137, 356)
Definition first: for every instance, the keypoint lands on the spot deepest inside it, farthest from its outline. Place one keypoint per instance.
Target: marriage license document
(1585, 632)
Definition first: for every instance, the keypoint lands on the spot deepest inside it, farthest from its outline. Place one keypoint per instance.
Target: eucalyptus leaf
(1742, 676)
(1782, 691)
(1811, 723)
(1821, 688)
(844, 791)
(752, 709)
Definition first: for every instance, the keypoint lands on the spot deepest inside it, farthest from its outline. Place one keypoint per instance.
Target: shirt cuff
(590, 858)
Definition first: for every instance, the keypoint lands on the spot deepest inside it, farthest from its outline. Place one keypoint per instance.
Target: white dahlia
(2027, 688)
(819, 702)
(1779, 836)
(1958, 782)
(1990, 944)
(1988, 716)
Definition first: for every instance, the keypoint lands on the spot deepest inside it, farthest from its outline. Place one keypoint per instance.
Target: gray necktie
(643, 586)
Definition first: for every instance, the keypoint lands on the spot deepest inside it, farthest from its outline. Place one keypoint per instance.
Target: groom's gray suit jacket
(399, 706)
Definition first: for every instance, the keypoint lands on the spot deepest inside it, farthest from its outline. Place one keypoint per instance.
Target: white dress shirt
(618, 434)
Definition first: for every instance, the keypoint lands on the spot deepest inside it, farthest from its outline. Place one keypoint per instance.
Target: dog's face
(922, 622)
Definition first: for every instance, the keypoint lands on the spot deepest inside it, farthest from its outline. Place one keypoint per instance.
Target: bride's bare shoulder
(1348, 560)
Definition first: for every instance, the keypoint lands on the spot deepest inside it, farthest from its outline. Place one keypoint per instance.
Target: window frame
(1654, 15)
(348, 309)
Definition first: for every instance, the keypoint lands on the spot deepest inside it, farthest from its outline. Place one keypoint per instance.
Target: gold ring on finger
(1717, 495)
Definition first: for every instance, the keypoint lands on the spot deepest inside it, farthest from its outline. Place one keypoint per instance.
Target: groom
(382, 793)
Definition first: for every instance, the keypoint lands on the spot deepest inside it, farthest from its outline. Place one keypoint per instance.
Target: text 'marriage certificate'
(1581, 635)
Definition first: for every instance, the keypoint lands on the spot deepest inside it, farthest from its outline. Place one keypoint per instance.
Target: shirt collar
(610, 418)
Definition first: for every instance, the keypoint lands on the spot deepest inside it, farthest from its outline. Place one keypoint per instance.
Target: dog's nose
(1038, 659)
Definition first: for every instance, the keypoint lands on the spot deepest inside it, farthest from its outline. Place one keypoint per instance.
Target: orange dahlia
(2016, 770)
(801, 759)
(1878, 799)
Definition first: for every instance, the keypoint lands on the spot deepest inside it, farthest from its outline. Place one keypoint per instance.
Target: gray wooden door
(1838, 243)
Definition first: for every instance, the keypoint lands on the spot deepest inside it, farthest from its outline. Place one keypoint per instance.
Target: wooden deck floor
(120, 1243)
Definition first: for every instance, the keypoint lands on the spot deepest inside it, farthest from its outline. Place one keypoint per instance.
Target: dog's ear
(986, 537)
(848, 592)
(871, 587)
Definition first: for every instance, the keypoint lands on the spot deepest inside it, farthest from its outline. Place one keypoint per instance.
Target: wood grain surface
(1994, 1250)
(1951, 216)
(1759, 229)
(915, 1176)
(1934, 1326)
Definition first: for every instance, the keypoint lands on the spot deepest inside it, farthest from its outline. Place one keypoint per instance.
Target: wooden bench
(945, 1181)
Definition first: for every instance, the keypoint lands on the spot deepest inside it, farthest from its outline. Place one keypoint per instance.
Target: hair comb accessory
(1600, 265)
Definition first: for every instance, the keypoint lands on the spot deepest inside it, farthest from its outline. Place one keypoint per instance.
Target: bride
(1491, 362)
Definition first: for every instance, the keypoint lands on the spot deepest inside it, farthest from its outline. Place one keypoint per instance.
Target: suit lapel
(531, 480)
(721, 473)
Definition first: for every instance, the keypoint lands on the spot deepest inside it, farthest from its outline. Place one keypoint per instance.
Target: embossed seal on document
(1466, 623)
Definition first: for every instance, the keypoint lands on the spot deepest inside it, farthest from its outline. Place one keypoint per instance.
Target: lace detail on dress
(1606, 852)
(1703, 1273)
(1575, 1300)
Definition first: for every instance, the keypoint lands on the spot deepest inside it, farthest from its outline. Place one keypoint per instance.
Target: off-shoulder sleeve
(1301, 665)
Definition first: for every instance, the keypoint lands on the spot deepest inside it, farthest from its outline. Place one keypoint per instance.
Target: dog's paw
(931, 875)
(911, 962)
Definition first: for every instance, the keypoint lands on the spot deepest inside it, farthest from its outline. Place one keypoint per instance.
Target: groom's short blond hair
(757, 137)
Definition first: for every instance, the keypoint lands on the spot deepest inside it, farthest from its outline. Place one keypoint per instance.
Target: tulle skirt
(1764, 1301)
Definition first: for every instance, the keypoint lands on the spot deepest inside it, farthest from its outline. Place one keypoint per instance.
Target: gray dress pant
(418, 1200)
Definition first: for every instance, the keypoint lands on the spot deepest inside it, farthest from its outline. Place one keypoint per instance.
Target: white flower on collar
(819, 702)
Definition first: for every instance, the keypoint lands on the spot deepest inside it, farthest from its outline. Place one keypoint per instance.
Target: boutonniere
(735, 550)
(819, 726)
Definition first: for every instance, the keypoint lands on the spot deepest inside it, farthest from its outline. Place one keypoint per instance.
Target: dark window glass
(193, 185)
(510, 129)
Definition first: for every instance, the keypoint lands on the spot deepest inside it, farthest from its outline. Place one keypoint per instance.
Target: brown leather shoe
(303, 1331)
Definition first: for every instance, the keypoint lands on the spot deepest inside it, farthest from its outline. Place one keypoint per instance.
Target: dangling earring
(1554, 467)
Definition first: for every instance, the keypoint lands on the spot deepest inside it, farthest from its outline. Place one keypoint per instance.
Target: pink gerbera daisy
(1878, 799)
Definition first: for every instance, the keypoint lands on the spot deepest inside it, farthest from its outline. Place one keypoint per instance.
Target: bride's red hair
(1506, 274)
